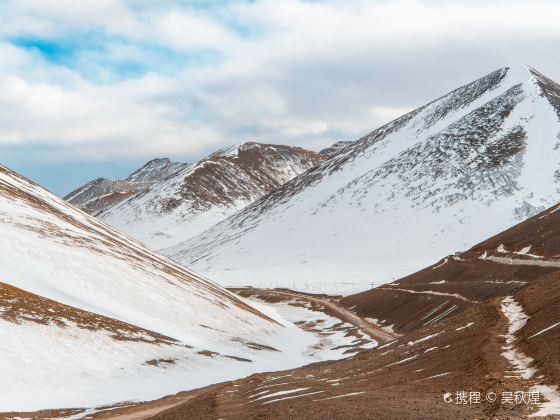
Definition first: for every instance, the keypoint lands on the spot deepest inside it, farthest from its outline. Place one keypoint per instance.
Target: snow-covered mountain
(197, 197)
(90, 316)
(102, 193)
(434, 181)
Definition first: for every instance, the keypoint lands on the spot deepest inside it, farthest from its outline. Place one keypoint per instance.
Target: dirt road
(151, 408)
(337, 310)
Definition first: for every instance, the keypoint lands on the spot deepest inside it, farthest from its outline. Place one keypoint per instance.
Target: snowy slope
(102, 193)
(437, 180)
(89, 316)
(202, 195)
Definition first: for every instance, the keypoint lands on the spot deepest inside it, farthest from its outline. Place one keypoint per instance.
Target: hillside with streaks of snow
(89, 316)
(434, 181)
(199, 196)
(102, 193)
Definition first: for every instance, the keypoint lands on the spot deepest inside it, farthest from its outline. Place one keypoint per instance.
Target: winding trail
(337, 310)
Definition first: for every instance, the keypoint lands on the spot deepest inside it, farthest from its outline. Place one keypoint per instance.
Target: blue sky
(97, 87)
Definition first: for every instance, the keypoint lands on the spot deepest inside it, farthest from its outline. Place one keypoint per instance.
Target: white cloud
(305, 73)
(47, 18)
(129, 119)
(186, 30)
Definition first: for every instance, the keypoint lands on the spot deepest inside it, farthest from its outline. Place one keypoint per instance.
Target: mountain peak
(231, 151)
(519, 73)
(454, 171)
(227, 151)
(525, 74)
(157, 161)
(519, 68)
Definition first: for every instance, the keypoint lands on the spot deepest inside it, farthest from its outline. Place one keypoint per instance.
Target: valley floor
(334, 330)
(468, 337)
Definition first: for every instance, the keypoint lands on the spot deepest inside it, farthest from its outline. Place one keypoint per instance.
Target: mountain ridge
(480, 149)
(200, 195)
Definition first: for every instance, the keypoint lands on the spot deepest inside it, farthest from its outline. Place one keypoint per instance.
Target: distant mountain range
(165, 202)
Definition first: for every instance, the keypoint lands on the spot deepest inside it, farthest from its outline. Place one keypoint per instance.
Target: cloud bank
(99, 80)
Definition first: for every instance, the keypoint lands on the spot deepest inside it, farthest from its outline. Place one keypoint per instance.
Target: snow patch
(470, 324)
(517, 320)
(421, 340)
